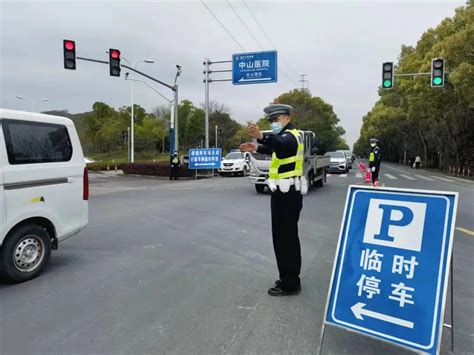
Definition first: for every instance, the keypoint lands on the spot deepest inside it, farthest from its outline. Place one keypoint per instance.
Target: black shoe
(277, 291)
(277, 283)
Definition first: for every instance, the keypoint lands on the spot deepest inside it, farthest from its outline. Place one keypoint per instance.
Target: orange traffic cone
(368, 176)
(362, 167)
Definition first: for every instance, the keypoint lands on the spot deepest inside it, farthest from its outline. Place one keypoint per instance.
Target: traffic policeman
(374, 160)
(287, 185)
(174, 165)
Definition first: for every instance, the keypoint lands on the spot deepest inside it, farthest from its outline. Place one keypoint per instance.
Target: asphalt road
(184, 267)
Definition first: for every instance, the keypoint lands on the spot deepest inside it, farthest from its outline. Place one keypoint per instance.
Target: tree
(314, 114)
(414, 118)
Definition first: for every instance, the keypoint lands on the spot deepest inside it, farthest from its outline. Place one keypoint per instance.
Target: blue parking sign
(392, 265)
(209, 158)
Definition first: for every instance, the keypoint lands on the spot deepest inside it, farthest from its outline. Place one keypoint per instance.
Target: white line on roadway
(391, 167)
(343, 175)
(358, 175)
(407, 177)
(390, 176)
(424, 177)
(444, 179)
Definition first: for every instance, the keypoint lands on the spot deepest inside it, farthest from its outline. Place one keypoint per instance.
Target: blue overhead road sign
(392, 263)
(205, 158)
(254, 68)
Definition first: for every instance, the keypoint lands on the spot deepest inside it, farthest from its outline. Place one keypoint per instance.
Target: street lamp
(34, 102)
(132, 130)
(170, 101)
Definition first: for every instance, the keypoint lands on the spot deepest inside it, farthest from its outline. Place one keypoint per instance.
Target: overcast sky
(340, 45)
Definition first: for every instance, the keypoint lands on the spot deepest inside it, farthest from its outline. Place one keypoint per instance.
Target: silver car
(338, 162)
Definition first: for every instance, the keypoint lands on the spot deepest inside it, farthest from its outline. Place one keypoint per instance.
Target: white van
(44, 190)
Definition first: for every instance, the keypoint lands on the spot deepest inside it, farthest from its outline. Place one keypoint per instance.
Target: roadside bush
(101, 166)
(154, 169)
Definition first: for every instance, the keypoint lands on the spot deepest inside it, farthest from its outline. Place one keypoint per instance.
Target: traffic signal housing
(125, 136)
(387, 75)
(69, 51)
(114, 62)
(437, 73)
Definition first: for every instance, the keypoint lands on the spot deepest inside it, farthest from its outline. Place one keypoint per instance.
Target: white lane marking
(328, 174)
(358, 175)
(391, 167)
(343, 175)
(407, 177)
(443, 179)
(390, 176)
(424, 177)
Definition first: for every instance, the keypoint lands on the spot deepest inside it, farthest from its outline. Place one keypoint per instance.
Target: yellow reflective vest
(276, 163)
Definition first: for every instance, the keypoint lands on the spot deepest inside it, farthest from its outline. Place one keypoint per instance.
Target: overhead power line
(244, 24)
(235, 40)
(222, 25)
(264, 33)
(256, 40)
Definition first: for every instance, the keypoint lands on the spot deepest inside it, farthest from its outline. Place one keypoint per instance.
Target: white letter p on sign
(397, 224)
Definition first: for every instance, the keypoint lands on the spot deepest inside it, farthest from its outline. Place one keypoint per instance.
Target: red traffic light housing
(69, 52)
(114, 62)
(115, 54)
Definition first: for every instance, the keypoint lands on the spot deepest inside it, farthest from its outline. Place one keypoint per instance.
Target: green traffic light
(387, 83)
(437, 81)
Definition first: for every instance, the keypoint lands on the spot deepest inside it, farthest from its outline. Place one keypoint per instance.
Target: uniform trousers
(375, 174)
(286, 208)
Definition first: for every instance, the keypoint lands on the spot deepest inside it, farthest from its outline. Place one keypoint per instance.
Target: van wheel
(259, 188)
(245, 171)
(25, 253)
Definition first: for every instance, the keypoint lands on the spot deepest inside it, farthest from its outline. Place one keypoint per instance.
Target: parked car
(338, 162)
(44, 190)
(235, 163)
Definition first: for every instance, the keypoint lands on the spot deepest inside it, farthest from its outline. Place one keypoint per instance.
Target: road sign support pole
(206, 103)
(321, 339)
(451, 284)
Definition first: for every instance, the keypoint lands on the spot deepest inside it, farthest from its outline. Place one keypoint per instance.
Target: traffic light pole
(174, 88)
(412, 74)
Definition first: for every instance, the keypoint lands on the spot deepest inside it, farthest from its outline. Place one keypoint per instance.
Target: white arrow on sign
(359, 311)
(204, 164)
(254, 79)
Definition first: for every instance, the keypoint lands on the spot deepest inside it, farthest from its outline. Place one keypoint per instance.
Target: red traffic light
(115, 54)
(69, 45)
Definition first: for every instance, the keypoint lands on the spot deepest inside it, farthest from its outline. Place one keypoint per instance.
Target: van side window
(34, 142)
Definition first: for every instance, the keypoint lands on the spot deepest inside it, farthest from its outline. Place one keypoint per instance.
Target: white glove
(373, 169)
(297, 184)
(284, 185)
(272, 185)
(304, 185)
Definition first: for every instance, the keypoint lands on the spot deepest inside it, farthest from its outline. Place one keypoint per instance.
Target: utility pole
(302, 81)
(206, 102)
(207, 62)
(216, 138)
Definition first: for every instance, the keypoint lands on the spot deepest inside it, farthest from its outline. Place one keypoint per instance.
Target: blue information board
(392, 263)
(205, 158)
(254, 68)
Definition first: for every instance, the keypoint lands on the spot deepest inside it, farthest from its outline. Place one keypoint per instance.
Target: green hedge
(101, 166)
(154, 169)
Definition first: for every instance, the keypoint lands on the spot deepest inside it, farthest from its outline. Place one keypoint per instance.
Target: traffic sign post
(205, 158)
(392, 265)
(254, 68)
